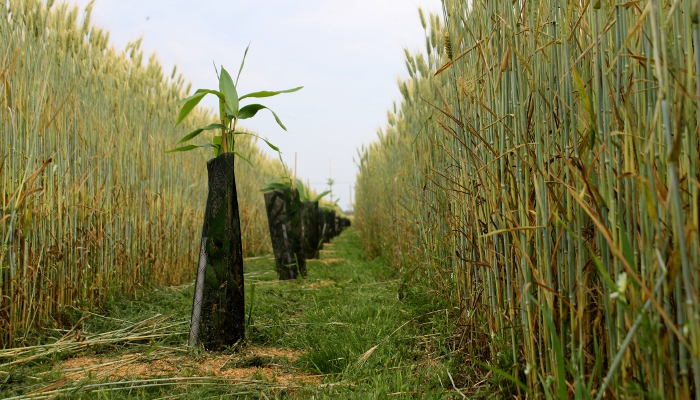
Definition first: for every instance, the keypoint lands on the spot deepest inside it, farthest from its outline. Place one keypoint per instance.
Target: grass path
(328, 336)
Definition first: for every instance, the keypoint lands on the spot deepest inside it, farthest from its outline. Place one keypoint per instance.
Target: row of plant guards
(334, 224)
(298, 229)
(330, 224)
(298, 226)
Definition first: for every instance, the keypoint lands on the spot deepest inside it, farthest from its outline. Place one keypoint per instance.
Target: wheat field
(91, 204)
(541, 173)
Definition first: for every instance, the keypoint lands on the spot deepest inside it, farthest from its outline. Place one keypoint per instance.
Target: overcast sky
(346, 53)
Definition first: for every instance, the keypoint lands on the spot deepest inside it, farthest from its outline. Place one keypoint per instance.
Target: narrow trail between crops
(341, 333)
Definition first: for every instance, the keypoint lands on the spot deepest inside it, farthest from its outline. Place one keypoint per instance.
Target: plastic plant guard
(284, 219)
(218, 308)
(327, 225)
(331, 223)
(310, 229)
(321, 228)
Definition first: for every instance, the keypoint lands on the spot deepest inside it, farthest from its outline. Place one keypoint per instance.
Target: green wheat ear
(422, 18)
(448, 45)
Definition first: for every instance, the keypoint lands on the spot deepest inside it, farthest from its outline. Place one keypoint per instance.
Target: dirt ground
(255, 363)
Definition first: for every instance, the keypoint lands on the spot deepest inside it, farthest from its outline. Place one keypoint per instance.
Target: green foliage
(230, 112)
(282, 184)
(305, 194)
(320, 196)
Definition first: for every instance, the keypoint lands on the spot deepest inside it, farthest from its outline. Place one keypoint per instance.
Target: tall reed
(91, 204)
(541, 171)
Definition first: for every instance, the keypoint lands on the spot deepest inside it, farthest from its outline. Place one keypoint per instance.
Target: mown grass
(347, 306)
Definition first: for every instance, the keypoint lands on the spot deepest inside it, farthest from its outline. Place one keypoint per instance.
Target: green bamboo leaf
(189, 104)
(183, 148)
(210, 276)
(279, 122)
(227, 87)
(302, 195)
(244, 159)
(202, 91)
(274, 186)
(267, 93)
(250, 110)
(196, 132)
(212, 91)
(188, 98)
(302, 190)
(216, 143)
(320, 196)
(272, 146)
(242, 62)
(216, 140)
(191, 135)
(191, 147)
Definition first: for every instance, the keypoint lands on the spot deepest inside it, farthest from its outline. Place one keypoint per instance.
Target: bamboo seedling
(230, 113)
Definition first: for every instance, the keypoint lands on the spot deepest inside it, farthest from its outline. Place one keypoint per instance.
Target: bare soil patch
(331, 260)
(320, 284)
(268, 363)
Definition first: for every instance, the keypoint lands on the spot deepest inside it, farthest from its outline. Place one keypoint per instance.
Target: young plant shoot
(230, 113)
